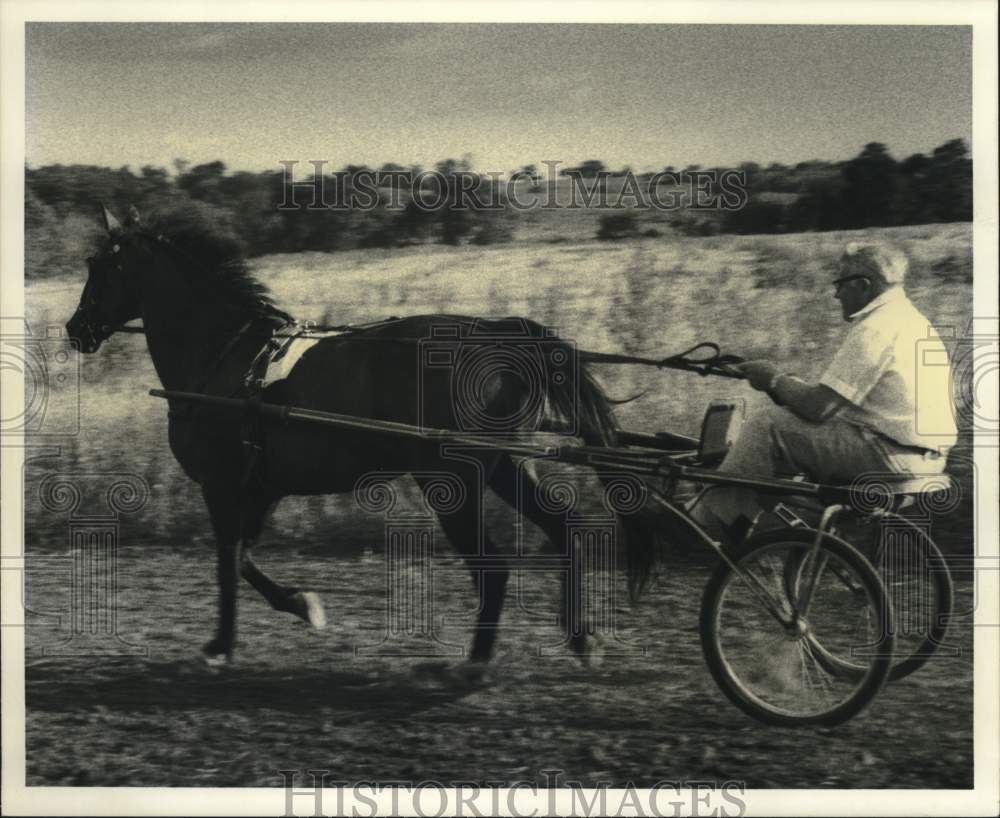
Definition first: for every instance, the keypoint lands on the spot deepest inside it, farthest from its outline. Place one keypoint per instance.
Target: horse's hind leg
(520, 492)
(490, 569)
(304, 604)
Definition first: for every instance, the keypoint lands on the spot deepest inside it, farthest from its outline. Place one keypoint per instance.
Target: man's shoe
(736, 532)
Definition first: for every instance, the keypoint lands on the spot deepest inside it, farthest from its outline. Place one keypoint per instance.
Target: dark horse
(206, 319)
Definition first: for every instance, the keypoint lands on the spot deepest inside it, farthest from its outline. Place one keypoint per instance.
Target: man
(878, 408)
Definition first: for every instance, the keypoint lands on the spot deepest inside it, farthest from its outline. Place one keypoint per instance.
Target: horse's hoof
(215, 654)
(309, 608)
(589, 651)
(216, 661)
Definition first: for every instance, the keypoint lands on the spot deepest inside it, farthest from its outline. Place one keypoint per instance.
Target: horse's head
(111, 295)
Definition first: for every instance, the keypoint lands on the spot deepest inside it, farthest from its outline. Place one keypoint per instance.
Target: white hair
(882, 261)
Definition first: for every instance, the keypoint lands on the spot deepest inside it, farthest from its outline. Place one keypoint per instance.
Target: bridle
(90, 300)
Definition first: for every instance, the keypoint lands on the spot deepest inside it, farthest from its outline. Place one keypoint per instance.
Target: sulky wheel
(919, 590)
(777, 648)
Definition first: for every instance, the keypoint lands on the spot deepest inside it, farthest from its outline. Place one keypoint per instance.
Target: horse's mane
(212, 257)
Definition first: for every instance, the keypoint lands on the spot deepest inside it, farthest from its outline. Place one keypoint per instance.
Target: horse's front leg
(224, 510)
(304, 604)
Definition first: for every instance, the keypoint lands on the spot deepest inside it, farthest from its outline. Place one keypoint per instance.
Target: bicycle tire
(739, 687)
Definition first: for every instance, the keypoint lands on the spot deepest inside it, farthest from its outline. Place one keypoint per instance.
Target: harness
(249, 386)
(284, 332)
(251, 425)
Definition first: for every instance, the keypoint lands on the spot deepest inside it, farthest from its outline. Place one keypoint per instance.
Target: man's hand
(758, 373)
(814, 402)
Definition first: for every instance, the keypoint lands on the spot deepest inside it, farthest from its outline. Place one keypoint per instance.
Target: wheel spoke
(809, 659)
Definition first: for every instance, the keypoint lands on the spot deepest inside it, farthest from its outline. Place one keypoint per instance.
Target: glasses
(840, 282)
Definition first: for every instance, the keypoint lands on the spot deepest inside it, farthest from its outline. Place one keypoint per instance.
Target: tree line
(870, 190)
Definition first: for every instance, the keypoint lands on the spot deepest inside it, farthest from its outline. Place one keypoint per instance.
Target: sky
(645, 96)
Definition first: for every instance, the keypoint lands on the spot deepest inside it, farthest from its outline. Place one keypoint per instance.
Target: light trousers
(775, 441)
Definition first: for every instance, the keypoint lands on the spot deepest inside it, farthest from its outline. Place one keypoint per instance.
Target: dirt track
(297, 699)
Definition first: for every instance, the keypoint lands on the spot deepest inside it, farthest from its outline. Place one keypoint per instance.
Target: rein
(714, 363)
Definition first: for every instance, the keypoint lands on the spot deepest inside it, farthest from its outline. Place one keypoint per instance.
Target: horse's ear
(133, 216)
(111, 224)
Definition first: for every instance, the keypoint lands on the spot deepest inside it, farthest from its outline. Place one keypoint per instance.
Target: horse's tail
(582, 406)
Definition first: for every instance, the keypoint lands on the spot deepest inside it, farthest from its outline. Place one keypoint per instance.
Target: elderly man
(872, 411)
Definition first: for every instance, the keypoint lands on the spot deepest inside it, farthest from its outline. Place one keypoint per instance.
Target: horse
(206, 319)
